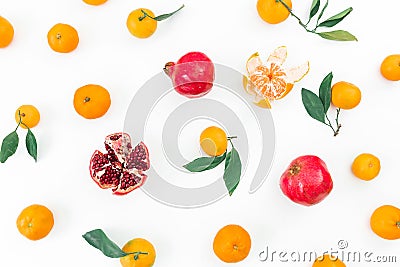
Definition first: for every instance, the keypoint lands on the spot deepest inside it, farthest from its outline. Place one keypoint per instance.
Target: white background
(228, 32)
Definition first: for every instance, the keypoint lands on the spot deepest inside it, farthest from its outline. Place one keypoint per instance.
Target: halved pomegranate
(122, 167)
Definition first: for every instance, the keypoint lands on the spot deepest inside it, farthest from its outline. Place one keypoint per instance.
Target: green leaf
(98, 239)
(338, 35)
(233, 170)
(325, 91)
(332, 21)
(204, 163)
(314, 8)
(31, 144)
(163, 16)
(323, 10)
(9, 146)
(313, 105)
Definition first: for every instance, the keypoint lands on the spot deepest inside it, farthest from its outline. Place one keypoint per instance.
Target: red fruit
(306, 181)
(122, 167)
(193, 74)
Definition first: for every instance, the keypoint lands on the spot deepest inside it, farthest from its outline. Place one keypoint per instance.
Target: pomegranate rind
(119, 150)
(192, 75)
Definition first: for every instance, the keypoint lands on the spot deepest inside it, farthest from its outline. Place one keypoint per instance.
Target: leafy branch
(336, 35)
(317, 106)
(10, 142)
(160, 17)
(233, 166)
(98, 239)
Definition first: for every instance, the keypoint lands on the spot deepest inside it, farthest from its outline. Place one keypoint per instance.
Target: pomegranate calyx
(168, 68)
(295, 169)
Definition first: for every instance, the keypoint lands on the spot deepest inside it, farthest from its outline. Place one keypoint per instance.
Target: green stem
(294, 15)
(20, 121)
(137, 253)
(335, 132)
(337, 118)
(398, 224)
(231, 137)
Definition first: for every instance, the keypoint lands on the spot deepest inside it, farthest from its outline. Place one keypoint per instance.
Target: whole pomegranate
(307, 180)
(122, 167)
(192, 75)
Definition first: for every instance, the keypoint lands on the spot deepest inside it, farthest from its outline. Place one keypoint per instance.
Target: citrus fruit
(345, 95)
(213, 141)
(328, 261)
(273, 11)
(271, 80)
(385, 222)
(366, 166)
(139, 25)
(95, 2)
(30, 116)
(63, 38)
(92, 101)
(145, 256)
(6, 32)
(390, 67)
(35, 222)
(232, 243)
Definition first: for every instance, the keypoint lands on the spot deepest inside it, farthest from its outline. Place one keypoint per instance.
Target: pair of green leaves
(98, 239)
(160, 17)
(10, 144)
(336, 35)
(317, 106)
(232, 170)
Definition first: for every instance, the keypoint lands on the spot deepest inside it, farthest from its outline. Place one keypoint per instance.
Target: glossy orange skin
(95, 2)
(213, 141)
(232, 243)
(345, 95)
(326, 261)
(30, 116)
(35, 222)
(143, 260)
(92, 101)
(272, 11)
(6, 32)
(385, 222)
(390, 68)
(140, 26)
(366, 166)
(63, 38)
